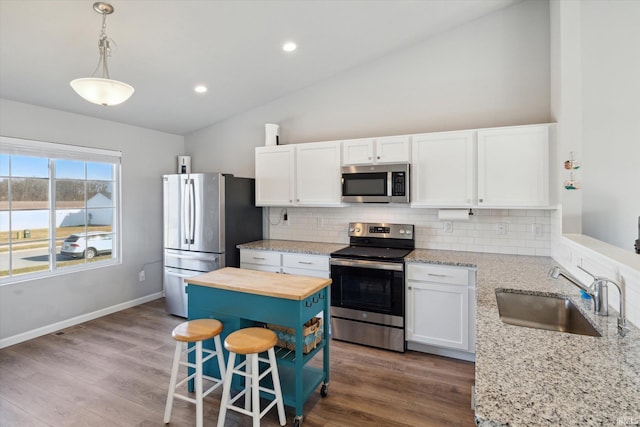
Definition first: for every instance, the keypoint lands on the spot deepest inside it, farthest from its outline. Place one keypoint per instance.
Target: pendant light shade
(102, 91)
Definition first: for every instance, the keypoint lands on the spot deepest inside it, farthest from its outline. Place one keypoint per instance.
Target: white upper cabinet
(318, 174)
(275, 175)
(298, 175)
(391, 149)
(513, 166)
(443, 169)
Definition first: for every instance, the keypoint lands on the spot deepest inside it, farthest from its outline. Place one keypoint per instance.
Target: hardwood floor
(114, 371)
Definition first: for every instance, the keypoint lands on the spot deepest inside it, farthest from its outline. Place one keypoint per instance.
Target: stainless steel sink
(554, 313)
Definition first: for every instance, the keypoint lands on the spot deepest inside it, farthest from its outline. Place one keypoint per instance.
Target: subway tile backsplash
(506, 231)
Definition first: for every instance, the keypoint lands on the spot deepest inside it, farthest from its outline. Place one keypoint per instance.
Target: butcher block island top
(261, 283)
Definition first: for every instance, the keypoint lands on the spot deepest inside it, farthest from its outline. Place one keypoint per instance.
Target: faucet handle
(589, 273)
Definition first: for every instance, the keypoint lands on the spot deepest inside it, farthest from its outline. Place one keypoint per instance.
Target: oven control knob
(402, 231)
(357, 230)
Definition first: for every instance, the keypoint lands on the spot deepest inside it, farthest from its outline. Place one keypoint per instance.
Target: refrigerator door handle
(201, 258)
(192, 210)
(183, 213)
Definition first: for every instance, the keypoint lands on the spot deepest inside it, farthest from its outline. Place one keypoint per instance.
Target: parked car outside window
(87, 245)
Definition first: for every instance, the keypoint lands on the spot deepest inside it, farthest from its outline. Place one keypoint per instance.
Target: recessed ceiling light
(289, 47)
(200, 89)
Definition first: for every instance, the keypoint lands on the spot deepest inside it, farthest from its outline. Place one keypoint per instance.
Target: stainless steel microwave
(376, 183)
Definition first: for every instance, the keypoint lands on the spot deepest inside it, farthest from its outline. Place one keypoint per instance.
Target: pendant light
(102, 91)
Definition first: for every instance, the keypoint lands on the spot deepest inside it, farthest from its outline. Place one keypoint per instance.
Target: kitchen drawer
(439, 274)
(251, 256)
(308, 262)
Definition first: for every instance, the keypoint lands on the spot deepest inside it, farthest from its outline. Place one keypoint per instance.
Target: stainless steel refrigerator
(205, 217)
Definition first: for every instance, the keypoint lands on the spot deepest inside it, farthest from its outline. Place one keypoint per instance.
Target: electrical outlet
(141, 276)
(501, 228)
(447, 226)
(536, 229)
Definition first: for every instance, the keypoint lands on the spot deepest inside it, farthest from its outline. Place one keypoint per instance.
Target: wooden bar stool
(195, 331)
(251, 342)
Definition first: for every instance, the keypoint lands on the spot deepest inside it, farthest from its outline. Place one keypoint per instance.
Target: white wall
(491, 72)
(33, 307)
(611, 120)
(478, 234)
(595, 88)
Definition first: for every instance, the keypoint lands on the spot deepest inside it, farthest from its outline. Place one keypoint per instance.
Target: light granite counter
(312, 248)
(533, 377)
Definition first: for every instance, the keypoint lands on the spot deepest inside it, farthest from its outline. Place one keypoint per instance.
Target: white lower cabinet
(440, 306)
(285, 262)
(252, 259)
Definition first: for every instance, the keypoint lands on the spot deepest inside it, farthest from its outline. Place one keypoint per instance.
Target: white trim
(56, 150)
(34, 333)
(439, 351)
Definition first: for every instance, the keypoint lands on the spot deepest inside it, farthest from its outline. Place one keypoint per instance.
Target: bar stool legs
(195, 331)
(251, 342)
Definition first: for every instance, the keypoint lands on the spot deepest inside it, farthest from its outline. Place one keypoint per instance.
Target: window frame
(56, 151)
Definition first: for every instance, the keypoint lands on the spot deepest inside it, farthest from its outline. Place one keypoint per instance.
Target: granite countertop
(533, 377)
(311, 248)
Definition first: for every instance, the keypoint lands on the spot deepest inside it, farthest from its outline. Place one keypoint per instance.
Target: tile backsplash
(505, 231)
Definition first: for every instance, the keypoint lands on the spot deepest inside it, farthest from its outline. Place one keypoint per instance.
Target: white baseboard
(455, 354)
(25, 336)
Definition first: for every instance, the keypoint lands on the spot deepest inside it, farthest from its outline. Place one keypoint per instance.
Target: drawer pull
(308, 304)
(305, 262)
(315, 300)
(259, 257)
(436, 275)
(321, 296)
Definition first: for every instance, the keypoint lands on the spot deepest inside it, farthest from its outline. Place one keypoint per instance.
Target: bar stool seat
(195, 332)
(250, 342)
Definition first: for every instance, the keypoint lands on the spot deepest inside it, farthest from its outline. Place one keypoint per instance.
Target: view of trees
(37, 189)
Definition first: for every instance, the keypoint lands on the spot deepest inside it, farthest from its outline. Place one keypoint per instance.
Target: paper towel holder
(454, 214)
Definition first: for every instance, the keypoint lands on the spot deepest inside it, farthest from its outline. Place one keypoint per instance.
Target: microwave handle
(389, 183)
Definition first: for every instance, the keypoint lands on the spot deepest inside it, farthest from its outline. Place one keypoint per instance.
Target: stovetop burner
(378, 241)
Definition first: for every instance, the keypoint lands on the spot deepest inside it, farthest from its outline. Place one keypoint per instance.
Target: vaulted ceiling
(166, 47)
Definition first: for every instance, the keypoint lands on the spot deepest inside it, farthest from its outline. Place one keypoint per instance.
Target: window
(59, 208)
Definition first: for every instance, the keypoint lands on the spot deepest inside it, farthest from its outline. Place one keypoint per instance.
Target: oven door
(369, 286)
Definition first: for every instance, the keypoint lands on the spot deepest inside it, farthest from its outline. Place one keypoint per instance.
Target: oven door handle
(376, 265)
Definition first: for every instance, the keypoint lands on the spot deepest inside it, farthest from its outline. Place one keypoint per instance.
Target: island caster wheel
(297, 422)
(324, 390)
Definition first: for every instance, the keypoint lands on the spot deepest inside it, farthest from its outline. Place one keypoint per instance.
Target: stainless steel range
(367, 293)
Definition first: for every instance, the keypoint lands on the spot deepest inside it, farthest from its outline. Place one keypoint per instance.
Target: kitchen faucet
(598, 290)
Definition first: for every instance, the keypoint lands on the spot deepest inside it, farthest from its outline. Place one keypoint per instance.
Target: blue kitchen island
(241, 298)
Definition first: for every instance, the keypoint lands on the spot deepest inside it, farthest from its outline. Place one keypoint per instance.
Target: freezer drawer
(175, 290)
(196, 261)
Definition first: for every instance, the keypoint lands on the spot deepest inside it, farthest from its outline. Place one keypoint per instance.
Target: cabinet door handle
(480, 200)
(436, 275)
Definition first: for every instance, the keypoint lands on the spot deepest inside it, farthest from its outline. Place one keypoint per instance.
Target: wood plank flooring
(114, 371)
